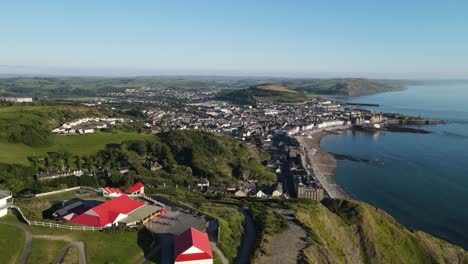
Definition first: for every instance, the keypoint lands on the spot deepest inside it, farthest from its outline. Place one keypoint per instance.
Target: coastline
(322, 163)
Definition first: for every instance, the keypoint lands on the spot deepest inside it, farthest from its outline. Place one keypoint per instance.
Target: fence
(58, 191)
(150, 199)
(69, 227)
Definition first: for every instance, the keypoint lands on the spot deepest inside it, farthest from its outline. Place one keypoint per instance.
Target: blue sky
(328, 38)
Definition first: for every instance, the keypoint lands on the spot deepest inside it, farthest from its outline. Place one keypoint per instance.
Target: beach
(322, 164)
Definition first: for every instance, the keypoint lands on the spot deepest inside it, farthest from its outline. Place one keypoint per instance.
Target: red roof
(192, 238)
(135, 188)
(106, 213)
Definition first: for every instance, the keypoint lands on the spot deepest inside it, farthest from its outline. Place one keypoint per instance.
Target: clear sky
(327, 38)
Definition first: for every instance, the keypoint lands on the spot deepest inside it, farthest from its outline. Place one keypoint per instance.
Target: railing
(69, 227)
(66, 190)
(151, 200)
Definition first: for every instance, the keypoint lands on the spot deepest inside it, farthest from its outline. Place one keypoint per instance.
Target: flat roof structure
(141, 214)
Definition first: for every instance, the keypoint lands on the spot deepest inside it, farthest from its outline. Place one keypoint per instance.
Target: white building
(6, 199)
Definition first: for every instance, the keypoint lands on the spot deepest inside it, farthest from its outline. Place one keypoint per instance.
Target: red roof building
(192, 247)
(111, 192)
(138, 188)
(108, 213)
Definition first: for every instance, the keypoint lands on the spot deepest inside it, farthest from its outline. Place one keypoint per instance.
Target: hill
(85, 87)
(219, 158)
(343, 231)
(31, 125)
(264, 93)
(343, 87)
(25, 131)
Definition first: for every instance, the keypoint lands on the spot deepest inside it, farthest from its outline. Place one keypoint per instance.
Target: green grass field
(100, 247)
(45, 250)
(72, 256)
(103, 247)
(11, 243)
(78, 145)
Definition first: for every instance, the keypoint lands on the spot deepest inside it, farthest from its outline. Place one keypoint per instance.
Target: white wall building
(6, 199)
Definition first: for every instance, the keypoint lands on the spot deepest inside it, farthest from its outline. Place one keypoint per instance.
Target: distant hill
(60, 87)
(343, 87)
(265, 93)
(342, 231)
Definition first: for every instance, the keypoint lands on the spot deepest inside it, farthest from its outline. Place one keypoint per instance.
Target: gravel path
(286, 246)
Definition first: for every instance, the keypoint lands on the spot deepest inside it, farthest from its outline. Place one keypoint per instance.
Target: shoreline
(323, 164)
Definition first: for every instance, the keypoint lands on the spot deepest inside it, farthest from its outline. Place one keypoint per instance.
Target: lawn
(11, 243)
(12, 153)
(72, 256)
(44, 250)
(102, 247)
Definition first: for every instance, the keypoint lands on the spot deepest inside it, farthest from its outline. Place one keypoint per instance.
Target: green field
(104, 247)
(78, 145)
(44, 250)
(11, 243)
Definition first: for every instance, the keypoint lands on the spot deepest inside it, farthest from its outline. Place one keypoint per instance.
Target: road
(248, 239)
(27, 242)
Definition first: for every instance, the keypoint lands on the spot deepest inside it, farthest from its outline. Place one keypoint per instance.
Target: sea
(420, 179)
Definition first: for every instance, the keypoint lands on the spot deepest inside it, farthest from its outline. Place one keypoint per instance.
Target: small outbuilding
(137, 188)
(192, 247)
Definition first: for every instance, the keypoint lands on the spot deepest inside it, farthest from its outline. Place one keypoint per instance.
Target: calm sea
(420, 179)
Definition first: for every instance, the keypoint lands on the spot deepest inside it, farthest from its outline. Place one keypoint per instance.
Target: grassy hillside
(264, 93)
(25, 131)
(14, 153)
(342, 231)
(220, 158)
(31, 125)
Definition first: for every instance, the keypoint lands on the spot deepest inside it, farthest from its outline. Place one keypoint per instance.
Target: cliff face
(343, 231)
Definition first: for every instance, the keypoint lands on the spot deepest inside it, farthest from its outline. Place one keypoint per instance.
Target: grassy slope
(44, 250)
(72, 256)
(220, 158)
(354, 232)
(14, 119)
(11, 243)
(79, 145)
(124, 247)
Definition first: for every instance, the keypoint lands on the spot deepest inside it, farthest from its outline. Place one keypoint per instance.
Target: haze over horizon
(384, 39)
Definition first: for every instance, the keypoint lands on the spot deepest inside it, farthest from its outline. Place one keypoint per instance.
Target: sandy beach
(322, 163)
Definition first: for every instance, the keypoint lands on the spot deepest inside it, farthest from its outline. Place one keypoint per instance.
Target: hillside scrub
(342, 231)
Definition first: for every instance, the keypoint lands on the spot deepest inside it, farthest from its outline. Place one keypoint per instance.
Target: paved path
(64, 250)
(167, 245)
(27, 242)
(215, 248)
(248, 239)
(151, 253)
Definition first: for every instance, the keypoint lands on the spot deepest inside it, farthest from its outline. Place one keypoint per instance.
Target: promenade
(320, 164)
